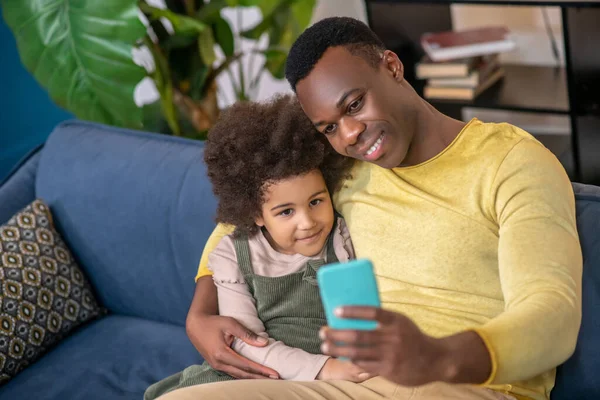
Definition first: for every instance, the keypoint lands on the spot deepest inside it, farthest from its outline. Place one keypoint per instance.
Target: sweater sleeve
(215, 237)
(540, 266)
(235, 300)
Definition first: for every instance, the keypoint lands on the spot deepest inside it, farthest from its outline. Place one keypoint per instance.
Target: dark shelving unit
(524, 88)
(572, 91)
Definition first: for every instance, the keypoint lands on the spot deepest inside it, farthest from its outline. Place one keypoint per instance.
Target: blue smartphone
(348, 284)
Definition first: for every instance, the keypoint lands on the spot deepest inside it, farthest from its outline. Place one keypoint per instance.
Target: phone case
(348, 284)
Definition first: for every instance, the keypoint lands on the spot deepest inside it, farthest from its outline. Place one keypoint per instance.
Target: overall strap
(242, 252)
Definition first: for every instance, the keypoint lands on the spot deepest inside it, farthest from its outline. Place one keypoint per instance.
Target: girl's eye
(316, 202)
(286, 213)
(355, 105)
(329, 129)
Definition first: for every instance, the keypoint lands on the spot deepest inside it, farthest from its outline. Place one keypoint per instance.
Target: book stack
(461, 65)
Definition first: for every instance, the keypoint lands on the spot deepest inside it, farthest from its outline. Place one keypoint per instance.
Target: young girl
(273, 177)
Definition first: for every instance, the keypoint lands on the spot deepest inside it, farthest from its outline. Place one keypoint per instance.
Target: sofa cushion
(578, 377)
(153, 210)
(44, 295)
(114, 358)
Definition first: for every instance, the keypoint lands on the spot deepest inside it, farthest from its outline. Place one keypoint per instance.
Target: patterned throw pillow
(43, 293)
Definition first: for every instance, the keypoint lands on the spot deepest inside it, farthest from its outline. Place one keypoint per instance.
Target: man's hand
(398, 351)
(212, 335)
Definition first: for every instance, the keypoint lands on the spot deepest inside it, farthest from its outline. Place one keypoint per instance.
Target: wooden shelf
(534, 3)
(571, 92)
(524, 88)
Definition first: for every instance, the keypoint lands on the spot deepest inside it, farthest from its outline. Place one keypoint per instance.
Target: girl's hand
(335, 369)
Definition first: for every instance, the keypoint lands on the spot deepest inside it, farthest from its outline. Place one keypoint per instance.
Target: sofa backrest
(17, 190)
(136, 210)
(579, 377)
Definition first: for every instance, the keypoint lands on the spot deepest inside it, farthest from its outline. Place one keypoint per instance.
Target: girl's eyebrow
(292, 204)
(318, 193)
(282, 205)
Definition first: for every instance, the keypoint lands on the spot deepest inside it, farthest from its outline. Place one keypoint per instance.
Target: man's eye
(329, 129)
(286, 213)
(316, 202)
(355, 105)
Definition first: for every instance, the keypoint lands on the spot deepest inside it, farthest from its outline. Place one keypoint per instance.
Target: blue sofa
(136, 209)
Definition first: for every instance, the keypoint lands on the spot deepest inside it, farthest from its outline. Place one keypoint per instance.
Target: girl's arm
(291, 363)
(236, 301)
(212, 335)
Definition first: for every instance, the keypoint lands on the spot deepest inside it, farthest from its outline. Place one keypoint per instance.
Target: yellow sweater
(482, 236)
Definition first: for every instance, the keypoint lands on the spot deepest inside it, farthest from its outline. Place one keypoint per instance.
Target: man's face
(365, 112)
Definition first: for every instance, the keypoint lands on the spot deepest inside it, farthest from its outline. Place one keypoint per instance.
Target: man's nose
(351, 129)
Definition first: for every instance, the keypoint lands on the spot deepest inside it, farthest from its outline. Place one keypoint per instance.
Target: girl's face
(298, 214)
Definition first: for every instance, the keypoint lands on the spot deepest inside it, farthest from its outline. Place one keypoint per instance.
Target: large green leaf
(302, 12)
(164, 84)
(181, 23)
(224, 36)
(275, 62)
(206, 45)
(267, 9)
(246, 3)
(268, 6)
(211, 11)
(283, 20)
(80, 51)
(292, 21)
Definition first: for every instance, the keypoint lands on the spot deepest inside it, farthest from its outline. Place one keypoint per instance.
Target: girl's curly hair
(254, 144)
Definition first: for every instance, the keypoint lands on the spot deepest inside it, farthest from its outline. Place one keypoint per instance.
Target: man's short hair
(310, 46)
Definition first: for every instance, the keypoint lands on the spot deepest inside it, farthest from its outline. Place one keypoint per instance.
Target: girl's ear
(259, 221)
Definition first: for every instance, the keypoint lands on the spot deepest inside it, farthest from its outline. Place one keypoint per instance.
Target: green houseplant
(80, 51)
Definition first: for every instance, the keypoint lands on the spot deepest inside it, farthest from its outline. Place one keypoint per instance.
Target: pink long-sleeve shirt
(235, 299)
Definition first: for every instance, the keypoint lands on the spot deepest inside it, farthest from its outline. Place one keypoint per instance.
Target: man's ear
(393, 65)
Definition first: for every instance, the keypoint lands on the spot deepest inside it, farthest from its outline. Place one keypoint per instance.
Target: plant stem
(189, 7)
(255, 82)
(251, 63)
(212, 75)
(164, 85)
(236, 90)
(223, 94)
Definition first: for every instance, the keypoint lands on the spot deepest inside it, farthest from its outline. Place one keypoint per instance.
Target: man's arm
(540, 267)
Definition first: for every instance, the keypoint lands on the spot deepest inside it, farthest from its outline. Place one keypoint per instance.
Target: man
(471, 228)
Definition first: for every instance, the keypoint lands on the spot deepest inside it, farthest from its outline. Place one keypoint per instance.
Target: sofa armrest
(17, 190)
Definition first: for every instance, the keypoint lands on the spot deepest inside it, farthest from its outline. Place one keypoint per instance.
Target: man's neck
(434, 133)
